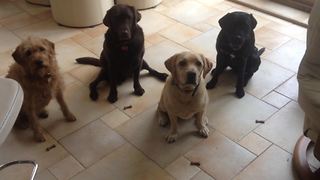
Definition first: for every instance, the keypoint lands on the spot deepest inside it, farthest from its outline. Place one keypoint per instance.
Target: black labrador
(122, 54)
(236, 49)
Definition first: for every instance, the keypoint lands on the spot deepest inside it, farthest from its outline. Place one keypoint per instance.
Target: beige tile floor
(108, 142)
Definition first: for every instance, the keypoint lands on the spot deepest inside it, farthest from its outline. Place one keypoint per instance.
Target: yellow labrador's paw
(204, 132)
(171, 138)
(39, 137)
(71, 118)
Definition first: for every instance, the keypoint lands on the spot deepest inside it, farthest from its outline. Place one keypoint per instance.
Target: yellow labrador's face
(187, 69)
(35, 55)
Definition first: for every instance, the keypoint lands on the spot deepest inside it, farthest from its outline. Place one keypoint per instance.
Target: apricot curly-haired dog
(37, 72)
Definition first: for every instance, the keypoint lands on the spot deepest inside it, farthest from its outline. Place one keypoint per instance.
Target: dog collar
(124, 48)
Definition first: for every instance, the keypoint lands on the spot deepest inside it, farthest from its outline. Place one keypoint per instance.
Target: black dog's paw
(240, 93)
(163, 76)
(139, 91)
(93, 96)
(211, 84)
(112, 98)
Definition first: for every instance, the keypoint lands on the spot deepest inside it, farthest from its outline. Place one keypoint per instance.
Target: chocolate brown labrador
(122, 54)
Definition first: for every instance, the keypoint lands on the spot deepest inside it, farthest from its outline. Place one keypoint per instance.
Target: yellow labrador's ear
(207, 65)
(170, 64)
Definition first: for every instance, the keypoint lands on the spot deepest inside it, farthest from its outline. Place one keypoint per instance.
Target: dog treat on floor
(194, 163)
(259, 121)
(37, 71)
(236, 49)
(50, 147)
(127, 107)
(184, 94)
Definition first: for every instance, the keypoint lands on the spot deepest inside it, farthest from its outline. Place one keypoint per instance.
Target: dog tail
(261, 51)
(89, 60)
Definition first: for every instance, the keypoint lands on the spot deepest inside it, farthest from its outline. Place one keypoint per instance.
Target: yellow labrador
(184, 94)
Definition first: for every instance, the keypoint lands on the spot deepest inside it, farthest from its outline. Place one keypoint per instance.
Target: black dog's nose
(125, 33)
(39, 62)
(237, 39)
(191, 78)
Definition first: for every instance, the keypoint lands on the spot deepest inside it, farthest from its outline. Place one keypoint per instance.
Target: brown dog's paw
(240, 93)
(139, 91)
(171, 138)
(43, 114)
(71, 118)
(93, 96)
(39, 137)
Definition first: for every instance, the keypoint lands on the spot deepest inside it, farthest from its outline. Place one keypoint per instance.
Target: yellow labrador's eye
(41, 49)
(198, 63)
(182, 63)
(28, 52)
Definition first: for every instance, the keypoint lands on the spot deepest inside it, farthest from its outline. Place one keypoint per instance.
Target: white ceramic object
(80, 13)
(11, 98)
(140, 4)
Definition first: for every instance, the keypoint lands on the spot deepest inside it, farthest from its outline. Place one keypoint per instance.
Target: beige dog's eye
(198, 63)
(182, 63)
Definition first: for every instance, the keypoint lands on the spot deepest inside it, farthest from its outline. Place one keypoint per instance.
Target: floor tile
(269, 38)
(66, 53)
(289, 29)
(96, 31)
(84, 73)
(205, 43)
(66, 168)
(268, 77)
(202, 176)
(285, 127)
(94, 45)
(156, 55)
(47, 29)
(85, 112)
(20, 145)
(92, 142)
(220, 157)
(152, 22)
(6, 60)
(254, 143)
(289, 88)
(190, 12)
(179, 33)
(18, 21)
(212, 3)
(276, 99)
(30, 8)
(45, 175)
(181, 169)
(235, 117)
(274, 164)
(115, 118)
(289, 55)
(8, 9)
(12, 41)
(145, 133)
(124, 163)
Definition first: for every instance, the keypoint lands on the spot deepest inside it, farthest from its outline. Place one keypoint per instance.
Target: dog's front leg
(138, 90)
(201, 122)
(240, 82)
(220, 67)
(113, 94)
(173, 133)
(64, 108)
(34, 122)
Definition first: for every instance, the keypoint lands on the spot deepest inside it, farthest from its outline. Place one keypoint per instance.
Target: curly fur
(37, 71)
